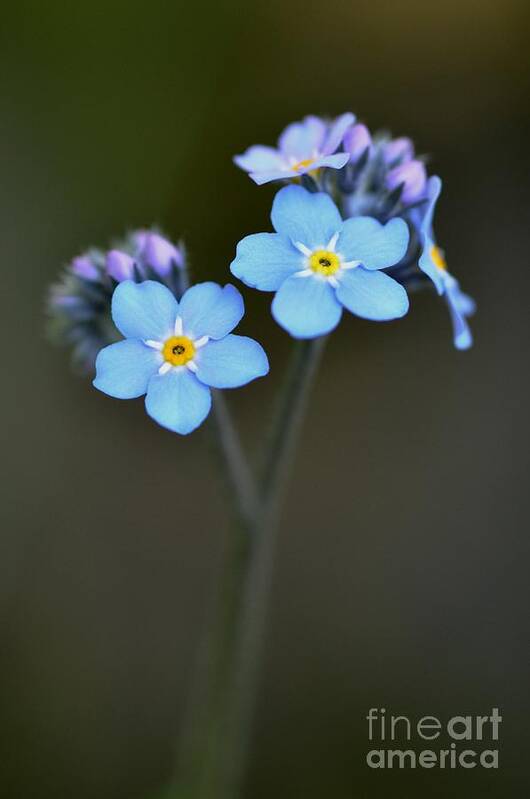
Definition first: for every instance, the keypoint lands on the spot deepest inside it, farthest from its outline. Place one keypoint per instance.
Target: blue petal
(336, 161)
(466, 304)
(231, 362)
(144, 310)
(178, 400)
(306, 307)
(301, 139)
(375, 245)
(259, 158)
(268, 175)
(265, 260)
(209, 310)
(434, 188)
(123, 370)
(372, 295)
(337, 131)
(311, 219)
(462, 336)
(428, 266)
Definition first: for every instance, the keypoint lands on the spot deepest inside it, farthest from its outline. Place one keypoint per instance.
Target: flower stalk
(279, 454)
(215, 741)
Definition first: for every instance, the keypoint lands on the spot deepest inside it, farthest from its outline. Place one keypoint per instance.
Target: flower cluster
(359, 229)
(79, 304)
(353, 229)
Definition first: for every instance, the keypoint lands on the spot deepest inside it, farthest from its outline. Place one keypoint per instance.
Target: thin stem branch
(235, 464)
(283, 437)
(288, 420)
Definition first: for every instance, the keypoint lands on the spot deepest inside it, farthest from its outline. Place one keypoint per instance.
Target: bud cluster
(79, 304)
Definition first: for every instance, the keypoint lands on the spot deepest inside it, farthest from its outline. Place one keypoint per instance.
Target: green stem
(215, 741)
(281, 445)
(201, 756)
(234, 462)
(201, 741)
(288, 419)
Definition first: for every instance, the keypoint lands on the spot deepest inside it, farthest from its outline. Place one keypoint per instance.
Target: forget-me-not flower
(174, 352)
(302, 147)
(319, 264)
(432, 263)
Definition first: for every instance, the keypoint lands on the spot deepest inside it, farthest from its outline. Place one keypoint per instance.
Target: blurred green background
(401, 574)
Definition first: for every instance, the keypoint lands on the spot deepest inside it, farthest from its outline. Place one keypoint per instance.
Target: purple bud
(119, 265)
(82, 266)
(412, 176)
(66, 301)
(356, 141)
(139, 237)
(401, 149)
(160, 254)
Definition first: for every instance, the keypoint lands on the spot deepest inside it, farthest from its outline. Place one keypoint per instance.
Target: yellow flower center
(324, 262)
(303, 164)
(437, 258)
(178, 350)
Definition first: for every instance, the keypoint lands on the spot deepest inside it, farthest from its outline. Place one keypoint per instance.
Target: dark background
(401, 574)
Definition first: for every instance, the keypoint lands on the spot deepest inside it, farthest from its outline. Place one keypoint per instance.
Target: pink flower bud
(412, 176)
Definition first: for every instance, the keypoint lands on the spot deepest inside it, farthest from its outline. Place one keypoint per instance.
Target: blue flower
(432, 263)
(317, 264)
(302, 147)
(176, 351)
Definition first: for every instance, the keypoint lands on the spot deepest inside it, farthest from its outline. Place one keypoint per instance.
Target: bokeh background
(401, 571)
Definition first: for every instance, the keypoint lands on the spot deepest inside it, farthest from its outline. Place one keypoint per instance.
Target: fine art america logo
(471, 741)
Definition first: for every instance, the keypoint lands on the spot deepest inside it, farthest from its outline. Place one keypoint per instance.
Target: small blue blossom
(174, 352)
(432, 263)
(302, 147)
(319, 264)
